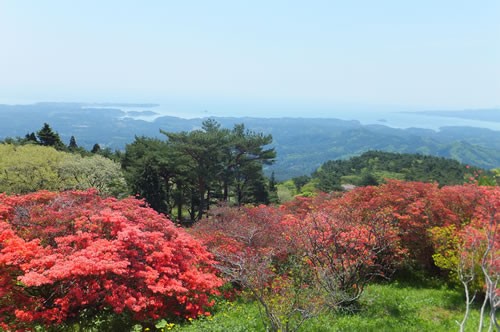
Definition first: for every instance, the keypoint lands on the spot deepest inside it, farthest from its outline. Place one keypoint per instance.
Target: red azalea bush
(346, 250)
(413, 208)
(329, 240)
(252, 247)
(61, 253)
(246, 241)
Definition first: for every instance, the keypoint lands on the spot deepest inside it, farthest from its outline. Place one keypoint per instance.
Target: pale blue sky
(411, 53)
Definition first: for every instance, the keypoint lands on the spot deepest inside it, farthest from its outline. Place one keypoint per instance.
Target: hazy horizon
(243, 108)
(392, 116)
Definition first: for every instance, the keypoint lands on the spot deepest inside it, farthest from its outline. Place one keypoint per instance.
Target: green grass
(239, 316)
(388, 307)
(396, 306)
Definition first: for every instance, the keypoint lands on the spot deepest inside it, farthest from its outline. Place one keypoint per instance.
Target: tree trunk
(179, 207)
(226, 191)
(201, 188)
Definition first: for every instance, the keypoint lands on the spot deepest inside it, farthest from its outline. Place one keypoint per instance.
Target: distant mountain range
(302, 144)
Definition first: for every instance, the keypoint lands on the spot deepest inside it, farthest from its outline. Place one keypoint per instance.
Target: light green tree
(29, 168)
(95, 171)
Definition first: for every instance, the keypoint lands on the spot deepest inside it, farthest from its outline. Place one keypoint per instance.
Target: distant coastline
(128, 105)
(303, 142)
(150, 112)
(479, 114)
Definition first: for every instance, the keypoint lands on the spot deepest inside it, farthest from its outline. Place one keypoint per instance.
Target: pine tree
(96, 148)
(30, 137)
(72, 144)
(273, 190)
(46, 136)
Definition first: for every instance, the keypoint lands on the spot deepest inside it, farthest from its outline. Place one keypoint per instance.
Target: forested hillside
(375, 167)
(302, 145)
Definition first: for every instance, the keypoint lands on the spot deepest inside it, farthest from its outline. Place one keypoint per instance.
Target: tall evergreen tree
(147, 173)
(30, 137)
(151, 186)
(246, 158)
(72, 146)
(204, 150)
(273, 190)
(96, 148)
(47, 137)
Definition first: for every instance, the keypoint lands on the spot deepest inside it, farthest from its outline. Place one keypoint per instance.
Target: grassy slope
(390, 307)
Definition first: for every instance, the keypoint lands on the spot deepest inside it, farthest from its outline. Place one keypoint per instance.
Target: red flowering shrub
(367, 231)
(414, 208)
(303, 254)
(64, 253)
(252, 247)
(346, 247)
(247, 242)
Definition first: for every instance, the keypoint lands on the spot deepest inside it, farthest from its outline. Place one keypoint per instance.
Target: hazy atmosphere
(254, 56)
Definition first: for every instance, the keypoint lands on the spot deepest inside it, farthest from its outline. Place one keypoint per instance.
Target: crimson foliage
(328, 241)
(413, 208)
(347, 240)
(62, 253)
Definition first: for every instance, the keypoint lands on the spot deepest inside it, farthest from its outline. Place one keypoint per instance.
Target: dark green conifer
(72, 144)
(96, 148)
(46, 136)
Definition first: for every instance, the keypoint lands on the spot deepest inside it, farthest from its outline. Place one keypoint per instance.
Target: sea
(394, 117)
(391, 116)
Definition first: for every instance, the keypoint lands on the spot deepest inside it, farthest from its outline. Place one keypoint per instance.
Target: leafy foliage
(29, 168)
(62, 254)
(96, 172)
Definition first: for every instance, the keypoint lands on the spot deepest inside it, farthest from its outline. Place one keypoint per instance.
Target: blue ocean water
(391, 118)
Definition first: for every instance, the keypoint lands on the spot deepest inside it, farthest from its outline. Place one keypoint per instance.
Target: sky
(425, 54)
